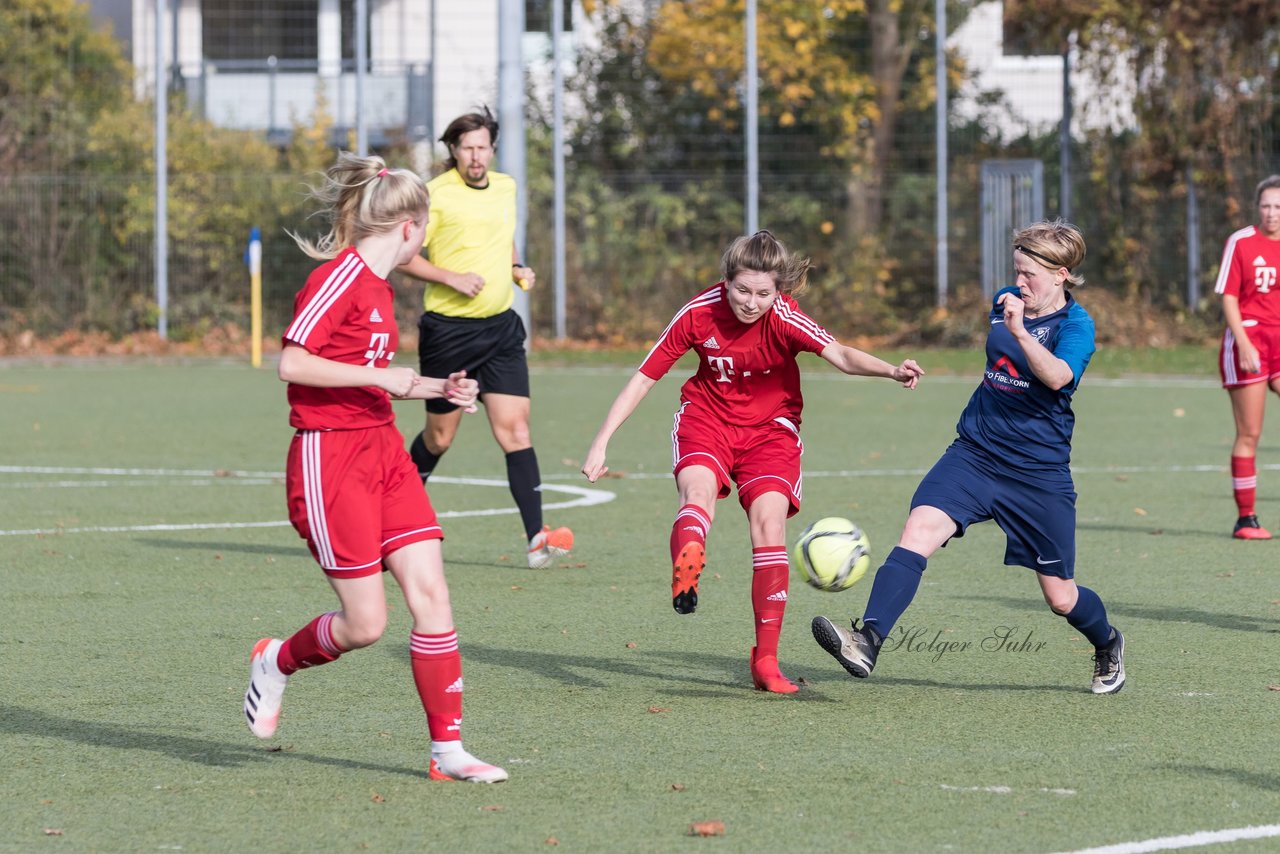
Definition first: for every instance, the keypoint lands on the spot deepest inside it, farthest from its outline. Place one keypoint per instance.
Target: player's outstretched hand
(461, 391)
(908, 373)
(399, 382)
(594, 468)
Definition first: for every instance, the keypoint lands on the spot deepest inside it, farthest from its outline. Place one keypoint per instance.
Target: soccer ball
(832, 554)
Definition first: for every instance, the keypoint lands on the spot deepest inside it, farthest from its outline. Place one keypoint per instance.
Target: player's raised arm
(855, 362)
(623, 405)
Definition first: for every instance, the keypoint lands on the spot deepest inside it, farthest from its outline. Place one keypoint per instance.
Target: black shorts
(489, 349)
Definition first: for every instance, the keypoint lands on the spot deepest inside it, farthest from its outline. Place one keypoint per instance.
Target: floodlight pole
(557, 160)
(162, 179)
(940, 147)
(362, 58)
(1064, 136)
(753, 123)
(511, 147)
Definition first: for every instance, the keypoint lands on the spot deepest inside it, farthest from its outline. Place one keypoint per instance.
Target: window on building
(537, 16)
(257, 29)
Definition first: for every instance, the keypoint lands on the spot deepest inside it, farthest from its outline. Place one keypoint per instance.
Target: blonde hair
(1053, 244)
(764, 253)
(362, 197)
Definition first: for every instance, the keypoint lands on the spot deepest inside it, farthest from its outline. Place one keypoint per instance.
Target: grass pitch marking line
(920, 472)
(582, 497)
(1004, 790)
(1186, 840)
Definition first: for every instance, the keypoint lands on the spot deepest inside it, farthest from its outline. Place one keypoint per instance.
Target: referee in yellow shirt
(468, 324)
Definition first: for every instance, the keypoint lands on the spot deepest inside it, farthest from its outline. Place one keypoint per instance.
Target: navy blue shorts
(489, 349)
(1038, 516)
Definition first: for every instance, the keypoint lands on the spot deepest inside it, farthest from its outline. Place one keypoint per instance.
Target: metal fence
(655, 168)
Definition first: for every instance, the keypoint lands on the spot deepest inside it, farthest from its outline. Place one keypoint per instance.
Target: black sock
(422, 458)
(526, 488)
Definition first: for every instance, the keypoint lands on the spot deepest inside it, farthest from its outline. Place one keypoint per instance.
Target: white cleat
(266, 689)
(1108, 666)
(460, 765)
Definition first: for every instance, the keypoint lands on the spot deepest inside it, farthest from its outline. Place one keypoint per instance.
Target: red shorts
(356, 497)
(1266, 338)
(758, 459)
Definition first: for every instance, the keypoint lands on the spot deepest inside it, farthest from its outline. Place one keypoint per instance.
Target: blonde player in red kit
(1249, 360)
(353, 492)
(739, 422)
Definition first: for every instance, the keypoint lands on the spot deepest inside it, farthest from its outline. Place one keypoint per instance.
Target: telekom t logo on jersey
(1264, 276)
(723, 366)
(378, 342)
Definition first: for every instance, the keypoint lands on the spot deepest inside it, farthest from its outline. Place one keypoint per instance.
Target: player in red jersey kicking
(1249, 360)
(739, 422)
(353, 492)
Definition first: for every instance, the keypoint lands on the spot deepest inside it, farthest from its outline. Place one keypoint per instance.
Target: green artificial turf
(165, 556)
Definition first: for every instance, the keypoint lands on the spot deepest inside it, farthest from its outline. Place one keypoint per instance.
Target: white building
(1030, 86)
(258, 65)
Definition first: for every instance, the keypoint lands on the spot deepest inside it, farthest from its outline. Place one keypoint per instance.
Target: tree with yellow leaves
(837, 67)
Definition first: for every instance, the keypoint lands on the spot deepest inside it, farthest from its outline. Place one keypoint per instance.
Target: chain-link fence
(263, 93)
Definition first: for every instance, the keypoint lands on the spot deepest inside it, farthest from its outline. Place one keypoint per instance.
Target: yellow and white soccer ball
(832, 554)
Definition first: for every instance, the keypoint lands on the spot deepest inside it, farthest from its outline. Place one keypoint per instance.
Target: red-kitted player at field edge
(353, 492)
(739, 422)
(1249, 360)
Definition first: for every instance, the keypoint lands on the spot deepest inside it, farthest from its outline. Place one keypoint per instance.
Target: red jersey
(747, 372)
(1248, 272)
(343, 313)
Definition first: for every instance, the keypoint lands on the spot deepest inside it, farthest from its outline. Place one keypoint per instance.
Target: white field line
(1187, 840)
(1004, 790)
(581, 497)
(920, 472)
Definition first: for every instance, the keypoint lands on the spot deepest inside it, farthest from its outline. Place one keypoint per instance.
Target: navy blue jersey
(1014, 417)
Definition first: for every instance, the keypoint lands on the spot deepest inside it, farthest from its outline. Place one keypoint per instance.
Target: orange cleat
(548, 545)
(767, 676)
(684, 577)
(1247, 528)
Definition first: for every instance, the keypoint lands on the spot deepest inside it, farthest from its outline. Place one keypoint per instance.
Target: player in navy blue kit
(1010, 462)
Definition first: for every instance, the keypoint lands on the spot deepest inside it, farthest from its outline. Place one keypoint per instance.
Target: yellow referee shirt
(471, 231)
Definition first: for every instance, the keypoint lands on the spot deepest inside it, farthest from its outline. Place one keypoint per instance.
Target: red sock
(691, 526)
(310, 646)
(769, 595)
(1244, 482)
(437, 672)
